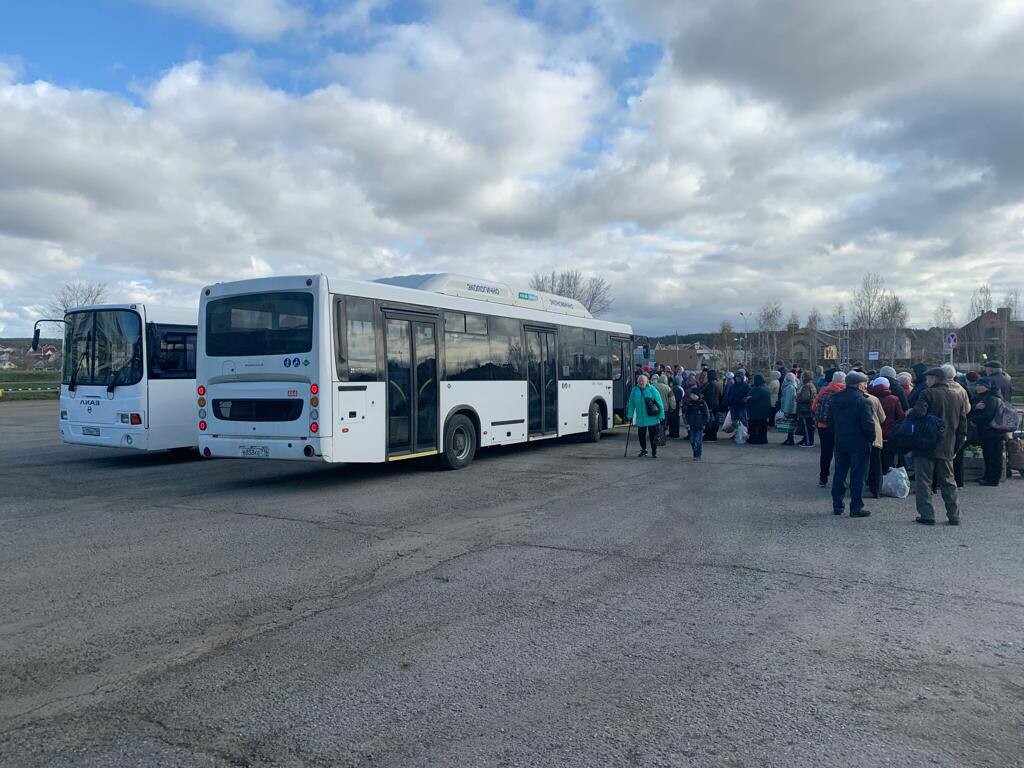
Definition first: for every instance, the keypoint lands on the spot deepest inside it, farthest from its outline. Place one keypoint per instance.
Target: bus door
(542, 381)
(621, 354)
(410, 349)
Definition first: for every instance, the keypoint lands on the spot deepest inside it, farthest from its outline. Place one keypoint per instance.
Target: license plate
(91, 431)
(254, 452)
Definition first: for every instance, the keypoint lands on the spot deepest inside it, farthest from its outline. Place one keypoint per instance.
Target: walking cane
(626, 452)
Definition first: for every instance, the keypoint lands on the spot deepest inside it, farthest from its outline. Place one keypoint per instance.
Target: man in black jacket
(940, 401)
(853, 427)
(997, 377)
(993, 443)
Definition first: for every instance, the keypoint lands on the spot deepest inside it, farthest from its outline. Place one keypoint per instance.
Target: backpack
(1006, 418)
(824, 407)
(928, 433)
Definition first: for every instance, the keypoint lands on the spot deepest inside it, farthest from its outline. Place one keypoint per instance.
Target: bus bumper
(281, 448)
(104, 435)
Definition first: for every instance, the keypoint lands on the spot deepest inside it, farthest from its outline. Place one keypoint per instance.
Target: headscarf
(791, 377)
(758, 380)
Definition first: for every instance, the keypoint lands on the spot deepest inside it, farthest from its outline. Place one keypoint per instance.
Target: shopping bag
(741, 434)
(782, 424)
(896, 484)
(727, 424)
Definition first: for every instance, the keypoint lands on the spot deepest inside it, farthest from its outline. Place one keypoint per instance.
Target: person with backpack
(697, 417)
(993, 440)
(646, 410)
(821, 407)
(997, 376)
(853, 425)
(940, 428)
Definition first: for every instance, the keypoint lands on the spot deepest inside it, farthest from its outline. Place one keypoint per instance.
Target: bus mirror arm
(35, 330)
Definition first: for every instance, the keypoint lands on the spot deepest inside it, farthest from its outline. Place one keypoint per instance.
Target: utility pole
(844, 347)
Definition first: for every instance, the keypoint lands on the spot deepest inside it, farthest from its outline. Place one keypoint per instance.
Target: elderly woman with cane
(646, 410)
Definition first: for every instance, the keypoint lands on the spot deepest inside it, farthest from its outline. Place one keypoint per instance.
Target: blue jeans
(856, 464)
(697, 441)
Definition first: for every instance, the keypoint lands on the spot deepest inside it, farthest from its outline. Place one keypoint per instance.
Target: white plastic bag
(727, 424)
(779, 415)
(741, 433)
(895, 483)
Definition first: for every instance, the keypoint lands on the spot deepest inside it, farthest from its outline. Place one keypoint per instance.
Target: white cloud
(258, 20)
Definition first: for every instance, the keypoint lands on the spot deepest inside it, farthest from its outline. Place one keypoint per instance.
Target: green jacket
(635, 406)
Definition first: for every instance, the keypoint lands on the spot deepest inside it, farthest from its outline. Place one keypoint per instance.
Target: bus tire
(460, 442)
(593, 433)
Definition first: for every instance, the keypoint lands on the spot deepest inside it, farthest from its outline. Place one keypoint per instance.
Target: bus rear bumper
(104, 435)
(280, 448)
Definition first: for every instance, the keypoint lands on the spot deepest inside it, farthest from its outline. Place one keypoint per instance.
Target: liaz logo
(89, 402)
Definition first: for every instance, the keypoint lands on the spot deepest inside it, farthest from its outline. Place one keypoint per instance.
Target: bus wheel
(594, 425)
(459, 442)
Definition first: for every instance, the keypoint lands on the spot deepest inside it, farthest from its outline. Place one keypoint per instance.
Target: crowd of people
(867, 423)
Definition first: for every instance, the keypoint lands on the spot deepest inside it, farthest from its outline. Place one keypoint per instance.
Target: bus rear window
(259, 324)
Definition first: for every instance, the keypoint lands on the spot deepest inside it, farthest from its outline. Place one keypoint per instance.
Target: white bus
(129, 376)
(344, 371)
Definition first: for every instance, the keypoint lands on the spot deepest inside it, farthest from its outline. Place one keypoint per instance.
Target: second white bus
(344, 371)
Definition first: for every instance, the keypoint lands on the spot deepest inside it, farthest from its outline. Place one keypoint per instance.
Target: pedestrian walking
(993, 443)
(674, 407)
(646, 410)
(822, 406)
(668, 401)
(697, 417)
(935, 462)
(851, 422)
(804, 409)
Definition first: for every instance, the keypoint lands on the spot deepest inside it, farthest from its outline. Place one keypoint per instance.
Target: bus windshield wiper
(73, 381)
(115, 377)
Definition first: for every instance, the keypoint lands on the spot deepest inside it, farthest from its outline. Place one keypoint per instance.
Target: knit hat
(993, 364)
(888, 371)
(853, 378)
(937, 372)
(986, 383)
(881, 381)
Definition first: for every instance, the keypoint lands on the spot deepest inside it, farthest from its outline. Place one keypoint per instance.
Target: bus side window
(172, 353)
(360, 339)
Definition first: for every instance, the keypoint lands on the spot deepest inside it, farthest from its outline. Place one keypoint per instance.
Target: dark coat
(712, 394)
(939, 400)
(697, 414)
(738, 395)
(982, 417)
(920, 385)
(851, 421)
(759, 406)
(1003, 383)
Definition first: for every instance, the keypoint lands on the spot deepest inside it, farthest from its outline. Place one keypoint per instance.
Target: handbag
(653, 409)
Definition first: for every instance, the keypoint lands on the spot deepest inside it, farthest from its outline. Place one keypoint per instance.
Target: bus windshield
(103, 347)
(260, 324)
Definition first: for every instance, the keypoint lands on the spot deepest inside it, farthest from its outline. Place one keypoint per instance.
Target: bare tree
(77, 294)
(1012, 301)
(724, 340)
(594, 293)
(813, 324)
(943, 317)
(769, 319)
(981, 302)
(792, 331)
(892, 314)
(867, 301)
(838, 317)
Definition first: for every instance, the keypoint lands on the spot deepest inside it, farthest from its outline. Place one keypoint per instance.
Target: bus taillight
(136, 419)
(202, 426)
(314, 389)
(314, 402)
(201, 390)
(314, 427)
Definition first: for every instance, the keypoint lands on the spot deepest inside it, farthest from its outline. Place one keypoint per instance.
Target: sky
(704, 156)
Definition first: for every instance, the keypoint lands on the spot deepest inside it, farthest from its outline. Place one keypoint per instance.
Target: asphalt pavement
(553, 604)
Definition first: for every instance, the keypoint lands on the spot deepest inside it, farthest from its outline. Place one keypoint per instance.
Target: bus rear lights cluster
(135, 419)
(202, 426)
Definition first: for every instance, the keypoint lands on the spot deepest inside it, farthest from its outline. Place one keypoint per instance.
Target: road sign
(830, 352)
(872, 356)
(951, 340)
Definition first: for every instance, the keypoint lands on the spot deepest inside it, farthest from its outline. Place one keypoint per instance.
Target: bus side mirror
(35, 340)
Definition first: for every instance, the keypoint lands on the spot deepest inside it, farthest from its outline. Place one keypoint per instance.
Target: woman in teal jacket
(636, 411)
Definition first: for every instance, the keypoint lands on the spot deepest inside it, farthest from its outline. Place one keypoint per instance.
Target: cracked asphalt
(550, 605)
